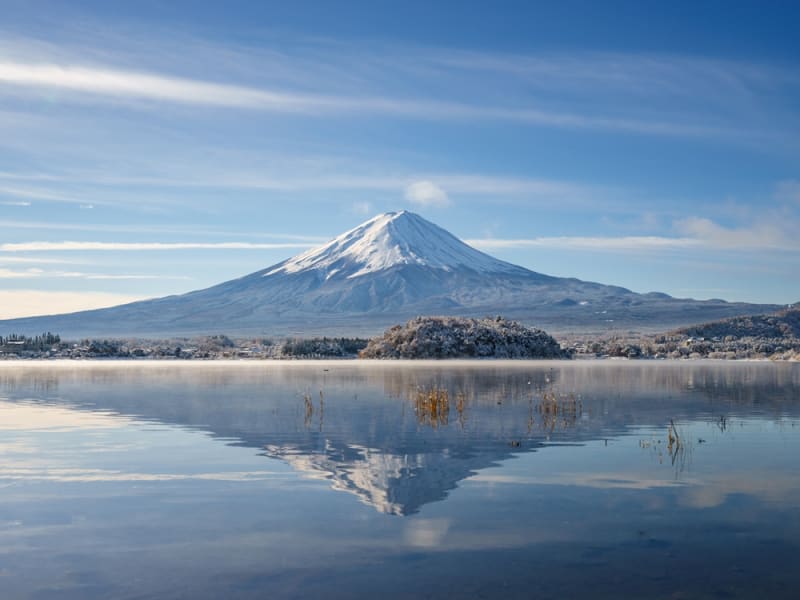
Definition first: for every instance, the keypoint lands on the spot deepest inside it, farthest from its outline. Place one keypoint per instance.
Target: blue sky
(152, 148)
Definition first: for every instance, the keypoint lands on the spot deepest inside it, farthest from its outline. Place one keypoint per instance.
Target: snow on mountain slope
(388, 240)
(386, 270)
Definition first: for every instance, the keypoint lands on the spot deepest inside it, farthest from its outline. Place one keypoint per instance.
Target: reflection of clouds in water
(79, 475)
(744, 463)
(371, 443)
(18, 447)
(426, 533)
(441, 536)
(48, 443)
(609, 480)
(777, 487)
(15, 416)
(708, 491)
(705, 496)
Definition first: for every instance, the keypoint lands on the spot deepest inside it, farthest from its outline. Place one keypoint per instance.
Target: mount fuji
(392, 267)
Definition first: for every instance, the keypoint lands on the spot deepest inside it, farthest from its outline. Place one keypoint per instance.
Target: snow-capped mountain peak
(386, 270)
(389, 240)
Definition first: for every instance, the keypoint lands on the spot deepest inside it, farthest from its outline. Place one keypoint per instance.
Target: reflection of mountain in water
(389, 455)
(398, 484)
(356, 426)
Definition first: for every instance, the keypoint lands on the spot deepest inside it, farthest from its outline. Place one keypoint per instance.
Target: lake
(595, 479)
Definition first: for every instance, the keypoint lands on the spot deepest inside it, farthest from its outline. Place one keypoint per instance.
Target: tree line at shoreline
(775, 337)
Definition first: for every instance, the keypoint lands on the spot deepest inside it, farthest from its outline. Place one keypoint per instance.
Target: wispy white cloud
(29, 176)
(695, 233)
(115, 277)
(38, 194)
(588, 243)
(147, 246)
(649, 93)
(114, 83)
(427, 193)
(157, 229)
(12, 274)
(132, 84)
(16, 203)
(764, 235)
(129, 277)
(417, 183)
(637, 74)
(699, 233)
(36, 273)
(39, 260)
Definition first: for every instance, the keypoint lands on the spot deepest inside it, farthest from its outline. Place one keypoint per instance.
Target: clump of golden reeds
(432, 406)
(554, 409)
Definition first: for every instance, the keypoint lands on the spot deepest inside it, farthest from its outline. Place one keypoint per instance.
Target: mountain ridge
(388, 269)
(783, 324)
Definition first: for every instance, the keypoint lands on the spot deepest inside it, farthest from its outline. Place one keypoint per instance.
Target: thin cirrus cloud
(153, 229)
(107, 276)
(456, 182)
(36, 273)
(696, 232)
(36, 194)
(766, 235)
(635, 75)
(17, 260)
(587, 243)
(26, 274)
(335, 63)
(429, 189)
(132, 85)
(143, 246)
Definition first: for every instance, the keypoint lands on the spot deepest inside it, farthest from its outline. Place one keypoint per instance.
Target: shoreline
(362, 362)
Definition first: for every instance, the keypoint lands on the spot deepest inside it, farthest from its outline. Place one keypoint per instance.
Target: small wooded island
(458, 337)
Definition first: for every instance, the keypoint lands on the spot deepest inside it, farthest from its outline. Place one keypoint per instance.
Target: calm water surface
(340, 480)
